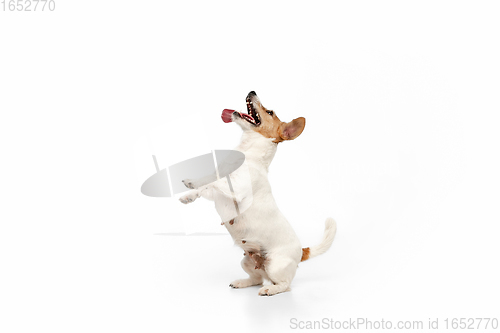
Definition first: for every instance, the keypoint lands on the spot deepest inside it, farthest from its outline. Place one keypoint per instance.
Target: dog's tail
(330, 231)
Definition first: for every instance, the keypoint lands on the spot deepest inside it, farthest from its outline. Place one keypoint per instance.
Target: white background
(400, 147)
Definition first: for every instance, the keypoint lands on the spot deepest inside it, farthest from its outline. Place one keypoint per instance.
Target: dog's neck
(257, 148)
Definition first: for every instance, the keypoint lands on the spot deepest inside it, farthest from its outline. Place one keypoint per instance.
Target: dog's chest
(225, 207)
(237, 228)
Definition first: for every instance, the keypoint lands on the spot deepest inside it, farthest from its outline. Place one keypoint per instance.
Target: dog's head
(266, 122)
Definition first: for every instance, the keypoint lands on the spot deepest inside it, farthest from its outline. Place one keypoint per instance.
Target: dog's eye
(270, 112)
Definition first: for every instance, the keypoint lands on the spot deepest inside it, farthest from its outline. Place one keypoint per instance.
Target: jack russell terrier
(272, 250)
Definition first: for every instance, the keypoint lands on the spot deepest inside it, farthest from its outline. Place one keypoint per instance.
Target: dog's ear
(291, 130)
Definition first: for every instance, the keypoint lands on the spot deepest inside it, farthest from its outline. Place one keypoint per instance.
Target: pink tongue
(226, 115)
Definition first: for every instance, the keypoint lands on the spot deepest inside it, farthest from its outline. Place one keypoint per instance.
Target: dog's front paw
(189, 183)
(188, 198)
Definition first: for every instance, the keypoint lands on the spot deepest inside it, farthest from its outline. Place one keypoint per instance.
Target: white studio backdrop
(400, 147)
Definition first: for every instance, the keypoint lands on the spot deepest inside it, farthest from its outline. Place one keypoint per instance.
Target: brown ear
(291, 130)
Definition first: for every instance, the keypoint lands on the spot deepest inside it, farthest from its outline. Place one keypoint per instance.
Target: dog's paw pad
(188, 183)
(186, 199)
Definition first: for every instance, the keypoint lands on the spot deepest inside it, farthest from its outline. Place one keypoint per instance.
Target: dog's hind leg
(256, 276)
(281, 271)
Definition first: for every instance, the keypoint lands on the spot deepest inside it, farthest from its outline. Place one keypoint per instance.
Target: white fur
(260, 227)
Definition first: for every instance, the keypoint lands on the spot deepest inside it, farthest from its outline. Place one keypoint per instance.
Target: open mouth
(253, 116)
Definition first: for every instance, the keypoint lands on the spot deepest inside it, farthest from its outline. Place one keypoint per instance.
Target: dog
(272, 250)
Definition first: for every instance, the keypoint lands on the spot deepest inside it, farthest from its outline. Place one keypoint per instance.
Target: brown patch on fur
(272, 127)
(305, 253)
(258, 259)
